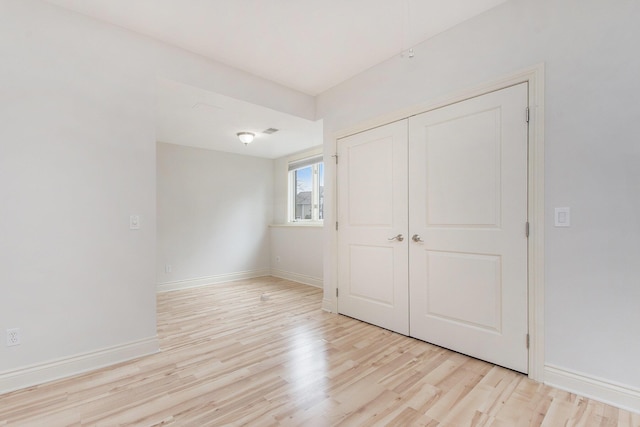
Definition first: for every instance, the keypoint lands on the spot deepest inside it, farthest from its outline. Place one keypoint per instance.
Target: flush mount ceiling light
(246, 137)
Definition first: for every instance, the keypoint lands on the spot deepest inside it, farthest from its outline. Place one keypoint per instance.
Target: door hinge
(526, 229)
(336, 225)
(527, 341)
(337, 292)
(336, 156)
(527, 115)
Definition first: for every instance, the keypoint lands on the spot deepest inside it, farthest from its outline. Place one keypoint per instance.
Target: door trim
(534, 76)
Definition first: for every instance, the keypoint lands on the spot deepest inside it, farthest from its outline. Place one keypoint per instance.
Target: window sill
(299, 225)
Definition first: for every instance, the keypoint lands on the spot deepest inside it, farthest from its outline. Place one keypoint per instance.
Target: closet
(432, 237)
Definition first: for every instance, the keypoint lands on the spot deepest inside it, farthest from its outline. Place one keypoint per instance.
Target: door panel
(370, 183)
(371, 284)
(474, 279)
(462, 159)
(372, 208)
(468, 203)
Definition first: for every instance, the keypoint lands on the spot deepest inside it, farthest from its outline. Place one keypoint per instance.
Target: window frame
(313, 161)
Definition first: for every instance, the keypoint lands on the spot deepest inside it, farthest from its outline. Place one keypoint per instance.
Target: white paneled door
(468, 212)
(372, 218)
(454, 185)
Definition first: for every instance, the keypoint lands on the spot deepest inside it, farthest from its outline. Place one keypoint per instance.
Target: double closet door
(432, 214)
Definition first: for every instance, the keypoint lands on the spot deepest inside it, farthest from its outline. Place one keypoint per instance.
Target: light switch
(563, 217)
(134, 222)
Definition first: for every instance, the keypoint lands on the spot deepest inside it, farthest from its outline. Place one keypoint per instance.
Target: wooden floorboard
(261, 352)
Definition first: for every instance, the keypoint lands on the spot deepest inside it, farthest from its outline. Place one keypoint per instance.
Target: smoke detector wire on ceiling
(406, 21)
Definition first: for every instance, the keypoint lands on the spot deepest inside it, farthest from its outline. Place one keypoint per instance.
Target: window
(306, 189)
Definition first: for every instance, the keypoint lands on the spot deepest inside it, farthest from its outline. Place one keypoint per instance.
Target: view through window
(306, 180)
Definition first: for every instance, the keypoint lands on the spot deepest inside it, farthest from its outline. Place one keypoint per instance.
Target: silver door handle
(399, 238)
(417, 239)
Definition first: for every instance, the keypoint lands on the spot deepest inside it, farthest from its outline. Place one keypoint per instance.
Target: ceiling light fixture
(246, 137)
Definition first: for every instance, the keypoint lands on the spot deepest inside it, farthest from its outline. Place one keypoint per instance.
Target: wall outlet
(13, 337)
(168, 268)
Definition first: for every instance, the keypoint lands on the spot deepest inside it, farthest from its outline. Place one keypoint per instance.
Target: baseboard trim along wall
(243, 275)
(327, 305)
(595, 388)
(296, 277)
(74, 365)
(212, 280)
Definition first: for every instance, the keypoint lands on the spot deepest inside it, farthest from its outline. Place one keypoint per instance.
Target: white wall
(77, 157)
(280, 190)
(296, 250)
(296, 253)
(214, 211)
(223, 217)
(591, 164)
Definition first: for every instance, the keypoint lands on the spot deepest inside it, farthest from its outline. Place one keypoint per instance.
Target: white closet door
(372, 210)
(468, 204)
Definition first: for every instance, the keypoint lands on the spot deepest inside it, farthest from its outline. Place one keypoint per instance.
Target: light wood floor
(262, 353)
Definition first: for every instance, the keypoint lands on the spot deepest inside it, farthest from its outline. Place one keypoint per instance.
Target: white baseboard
(296, 277)
(211, 280)
(327, 305)
(78, 364)
(618, 395)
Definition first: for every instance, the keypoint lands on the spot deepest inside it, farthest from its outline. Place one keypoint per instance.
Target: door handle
(417, 239)
(399, 238)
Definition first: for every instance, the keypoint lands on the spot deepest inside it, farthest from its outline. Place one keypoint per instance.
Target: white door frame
(534, 76)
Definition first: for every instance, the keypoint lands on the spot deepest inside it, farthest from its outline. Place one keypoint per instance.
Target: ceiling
(193, 117)
(306, 45)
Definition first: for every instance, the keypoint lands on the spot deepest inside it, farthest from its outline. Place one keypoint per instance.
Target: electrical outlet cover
(13, 337)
